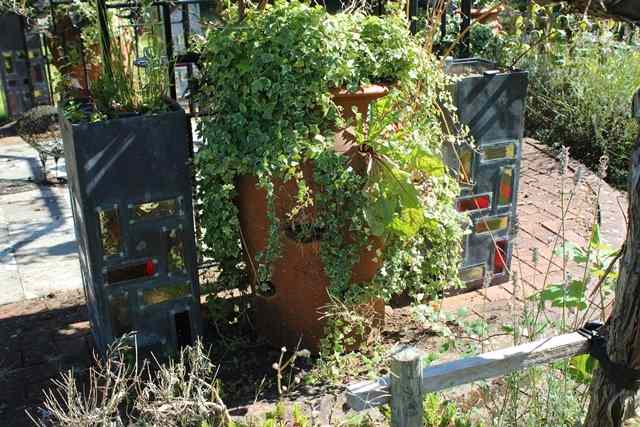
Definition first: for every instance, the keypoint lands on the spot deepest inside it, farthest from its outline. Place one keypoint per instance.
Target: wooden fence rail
(408, 382)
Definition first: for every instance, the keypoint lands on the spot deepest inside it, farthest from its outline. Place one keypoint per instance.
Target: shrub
(180, 392)
(581, 98)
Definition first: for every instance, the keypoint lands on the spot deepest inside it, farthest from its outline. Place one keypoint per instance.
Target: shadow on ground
(41, 338)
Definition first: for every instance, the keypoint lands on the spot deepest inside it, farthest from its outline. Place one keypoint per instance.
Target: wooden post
(406, 388)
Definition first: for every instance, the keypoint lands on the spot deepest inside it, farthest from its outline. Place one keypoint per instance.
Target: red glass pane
(149, 268)
(500, 257)
(135, 271)
(473, 203)
(505, 192)
(506, 187)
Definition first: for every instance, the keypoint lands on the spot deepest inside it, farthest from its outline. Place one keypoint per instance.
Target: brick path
(41, 337)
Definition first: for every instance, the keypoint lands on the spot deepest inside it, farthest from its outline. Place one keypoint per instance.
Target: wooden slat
(369, 394)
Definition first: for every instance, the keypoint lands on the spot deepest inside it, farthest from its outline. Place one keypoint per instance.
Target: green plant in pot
(321, 178)
(127, 156)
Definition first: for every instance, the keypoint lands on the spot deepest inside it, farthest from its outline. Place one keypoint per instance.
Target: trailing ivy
(266, 86)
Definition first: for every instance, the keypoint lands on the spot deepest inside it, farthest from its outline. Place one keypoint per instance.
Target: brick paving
(42, 337)
(540, 223)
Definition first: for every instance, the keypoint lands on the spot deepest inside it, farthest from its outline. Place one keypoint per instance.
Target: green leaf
(430, 164)
(581, 368)
(595, 235)
(507, 328)
(408, 223)
(571, 296)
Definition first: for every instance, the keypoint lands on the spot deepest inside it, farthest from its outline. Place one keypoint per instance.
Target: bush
(582, 99)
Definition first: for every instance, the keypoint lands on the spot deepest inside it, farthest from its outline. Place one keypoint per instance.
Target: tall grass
(581, 98)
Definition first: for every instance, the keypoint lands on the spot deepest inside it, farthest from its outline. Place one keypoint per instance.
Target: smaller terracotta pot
(361, 99)
(490, 15)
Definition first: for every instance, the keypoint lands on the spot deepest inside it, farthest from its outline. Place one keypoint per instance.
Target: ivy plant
(266, 86)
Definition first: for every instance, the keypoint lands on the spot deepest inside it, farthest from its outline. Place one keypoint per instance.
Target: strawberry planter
(289, 306)
(320, 201)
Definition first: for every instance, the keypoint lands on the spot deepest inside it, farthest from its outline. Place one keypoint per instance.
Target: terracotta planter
(298, 280)
(70, 38)
(489, 17)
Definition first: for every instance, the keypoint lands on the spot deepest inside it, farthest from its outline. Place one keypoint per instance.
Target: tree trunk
(608, 401)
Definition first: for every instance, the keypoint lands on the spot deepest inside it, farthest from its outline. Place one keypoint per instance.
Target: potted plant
(127, 158)
(327, 201)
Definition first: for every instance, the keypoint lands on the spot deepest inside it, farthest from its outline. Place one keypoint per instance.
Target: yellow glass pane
(502, 152)
(466, 162)
(505, 195)
(176, 252)
(8, 62)
(485, 225)
(472, 274)
(166, 293)
(109, 231)
(155, 209)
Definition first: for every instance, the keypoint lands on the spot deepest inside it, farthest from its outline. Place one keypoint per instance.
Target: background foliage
(583, 74)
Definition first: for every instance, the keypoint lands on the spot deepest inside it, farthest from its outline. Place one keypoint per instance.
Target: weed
(182, 392)
(285, 367)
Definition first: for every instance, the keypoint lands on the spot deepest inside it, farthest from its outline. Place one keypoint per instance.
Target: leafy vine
(266, 87)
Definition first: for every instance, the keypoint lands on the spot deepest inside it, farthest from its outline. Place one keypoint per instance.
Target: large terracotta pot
(63, 41)
(292, 311)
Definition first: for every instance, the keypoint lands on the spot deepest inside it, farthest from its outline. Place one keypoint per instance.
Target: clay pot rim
(373, 91)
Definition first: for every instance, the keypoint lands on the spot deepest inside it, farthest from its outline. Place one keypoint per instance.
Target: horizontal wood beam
(369, 394)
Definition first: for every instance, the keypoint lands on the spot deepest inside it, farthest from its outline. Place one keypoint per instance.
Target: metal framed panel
(491, 103)
(22, 65)
(132, 205)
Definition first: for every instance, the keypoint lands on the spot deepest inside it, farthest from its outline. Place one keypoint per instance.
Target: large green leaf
(430, 164)
(581, 368)
(395, 206)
